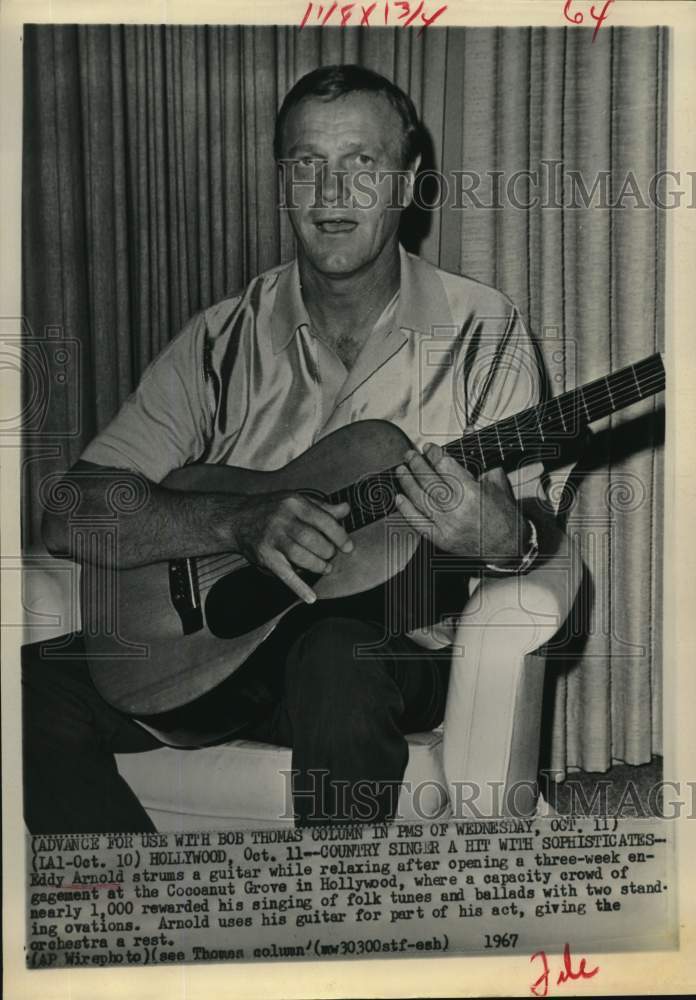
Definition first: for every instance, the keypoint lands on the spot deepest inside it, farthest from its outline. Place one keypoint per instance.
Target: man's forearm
(154, 525)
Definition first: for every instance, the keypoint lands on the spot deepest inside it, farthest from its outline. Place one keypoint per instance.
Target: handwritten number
(578, 17)
(601, 18)
(412, 13)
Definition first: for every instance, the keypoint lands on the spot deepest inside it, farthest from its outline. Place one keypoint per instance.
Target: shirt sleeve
(166, 422)
(504, 379)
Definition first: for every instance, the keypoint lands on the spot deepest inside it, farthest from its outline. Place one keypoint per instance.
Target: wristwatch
(528, 558)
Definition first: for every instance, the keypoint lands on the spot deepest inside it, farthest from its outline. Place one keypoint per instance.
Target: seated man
(354, 328)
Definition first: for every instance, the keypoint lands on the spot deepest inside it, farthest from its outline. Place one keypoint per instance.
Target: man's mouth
(332, 226)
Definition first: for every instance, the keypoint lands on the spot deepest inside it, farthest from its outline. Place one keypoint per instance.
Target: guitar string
(212, 560)
(387, 478)
(361, 515)
(587, 395)
(465, 445)
(600, 389)
(509, 434)
(599, 386)
(551, 413)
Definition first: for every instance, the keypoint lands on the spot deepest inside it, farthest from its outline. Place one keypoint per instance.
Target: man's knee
(334, 655)
(332, 688)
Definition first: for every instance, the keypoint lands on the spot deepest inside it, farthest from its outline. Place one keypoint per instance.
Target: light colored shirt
(246, 383)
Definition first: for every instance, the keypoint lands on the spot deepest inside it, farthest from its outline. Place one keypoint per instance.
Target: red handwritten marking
(408, 13)
(566, 973)
(427, 21)
(578, 17)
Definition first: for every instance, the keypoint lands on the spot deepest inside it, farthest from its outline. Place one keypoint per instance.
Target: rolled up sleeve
(165, 423)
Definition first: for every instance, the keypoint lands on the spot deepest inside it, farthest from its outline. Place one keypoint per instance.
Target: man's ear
(409, 182)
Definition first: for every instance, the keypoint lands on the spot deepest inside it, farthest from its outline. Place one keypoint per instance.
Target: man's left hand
(460, 514)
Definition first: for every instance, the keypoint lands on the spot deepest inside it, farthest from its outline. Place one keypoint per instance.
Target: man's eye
(364, 160)
(308, 161)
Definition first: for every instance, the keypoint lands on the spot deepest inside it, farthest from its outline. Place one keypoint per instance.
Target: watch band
(527, 560)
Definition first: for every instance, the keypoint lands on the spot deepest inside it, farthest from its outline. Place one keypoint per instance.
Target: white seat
(245, 784)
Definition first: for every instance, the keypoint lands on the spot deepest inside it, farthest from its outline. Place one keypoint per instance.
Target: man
(355, 328)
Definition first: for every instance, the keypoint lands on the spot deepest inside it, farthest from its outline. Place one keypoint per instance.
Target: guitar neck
(559, 420)
(541, 429)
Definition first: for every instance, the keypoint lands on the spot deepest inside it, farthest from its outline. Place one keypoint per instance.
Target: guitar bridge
(185, 594)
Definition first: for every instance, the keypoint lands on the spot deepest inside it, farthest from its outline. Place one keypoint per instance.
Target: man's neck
(343, 311)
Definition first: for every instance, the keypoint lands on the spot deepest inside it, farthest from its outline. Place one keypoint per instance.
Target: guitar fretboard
(541, 429)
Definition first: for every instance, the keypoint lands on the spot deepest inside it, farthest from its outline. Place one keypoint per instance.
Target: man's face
(343, 214)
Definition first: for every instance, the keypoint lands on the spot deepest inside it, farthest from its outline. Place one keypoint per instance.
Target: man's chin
(337, 265)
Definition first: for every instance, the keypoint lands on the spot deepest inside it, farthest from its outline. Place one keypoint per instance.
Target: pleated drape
(150, 192)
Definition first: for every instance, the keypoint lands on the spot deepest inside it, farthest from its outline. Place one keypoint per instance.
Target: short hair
(331, 82)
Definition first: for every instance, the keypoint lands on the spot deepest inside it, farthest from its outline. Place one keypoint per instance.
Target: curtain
(150, 192)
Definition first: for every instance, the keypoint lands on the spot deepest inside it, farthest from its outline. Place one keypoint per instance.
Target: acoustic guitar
(159, 636)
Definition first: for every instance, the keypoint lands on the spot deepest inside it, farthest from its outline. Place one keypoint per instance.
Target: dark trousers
(343, 710)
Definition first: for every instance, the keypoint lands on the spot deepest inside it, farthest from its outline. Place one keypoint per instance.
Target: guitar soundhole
(247, 599)
(427, 588)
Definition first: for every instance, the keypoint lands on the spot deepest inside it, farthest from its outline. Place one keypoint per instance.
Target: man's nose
(332, 185)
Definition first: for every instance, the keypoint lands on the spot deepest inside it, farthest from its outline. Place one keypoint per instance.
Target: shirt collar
(289, 312)
(423, 303)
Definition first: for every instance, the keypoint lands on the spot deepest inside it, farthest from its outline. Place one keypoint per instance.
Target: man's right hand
(283, 532)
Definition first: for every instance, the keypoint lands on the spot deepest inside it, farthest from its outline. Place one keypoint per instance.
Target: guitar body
(141, 660)
(160, 636)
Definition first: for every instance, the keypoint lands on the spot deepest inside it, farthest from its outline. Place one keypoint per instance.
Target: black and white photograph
(346, 372)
